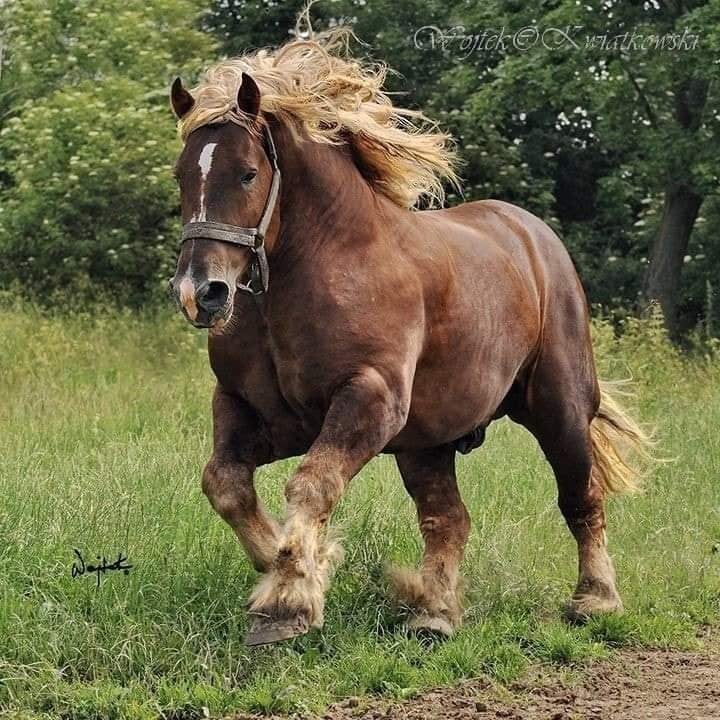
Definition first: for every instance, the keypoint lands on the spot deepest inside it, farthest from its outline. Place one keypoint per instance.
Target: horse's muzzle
(205, 304)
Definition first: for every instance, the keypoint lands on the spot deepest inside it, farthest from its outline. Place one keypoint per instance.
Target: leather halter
(249, 237)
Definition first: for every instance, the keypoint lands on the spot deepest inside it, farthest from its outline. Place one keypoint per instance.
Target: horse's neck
(324, 197)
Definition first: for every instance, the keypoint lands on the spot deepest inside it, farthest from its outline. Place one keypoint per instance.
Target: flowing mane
(314, 85)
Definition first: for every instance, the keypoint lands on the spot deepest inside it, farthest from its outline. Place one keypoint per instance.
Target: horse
(343, 322)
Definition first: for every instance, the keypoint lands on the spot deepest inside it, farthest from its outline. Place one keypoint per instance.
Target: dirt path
(635, 685)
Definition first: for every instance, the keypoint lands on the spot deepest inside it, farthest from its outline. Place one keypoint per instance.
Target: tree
(617, 99)
(691, 173)
(604, 122)
(88, 205)
(653, 112)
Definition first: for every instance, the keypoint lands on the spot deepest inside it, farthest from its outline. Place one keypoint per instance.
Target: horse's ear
(248, 97)
(180, 99)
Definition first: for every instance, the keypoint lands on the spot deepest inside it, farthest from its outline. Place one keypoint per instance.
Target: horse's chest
(248, 369)
(301, 387)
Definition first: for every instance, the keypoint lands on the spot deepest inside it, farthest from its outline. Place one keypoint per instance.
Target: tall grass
(104, 428)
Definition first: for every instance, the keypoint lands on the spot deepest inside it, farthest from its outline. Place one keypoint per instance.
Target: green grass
(104, 429)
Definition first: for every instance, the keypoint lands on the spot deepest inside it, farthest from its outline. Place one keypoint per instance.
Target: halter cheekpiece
(249, 237)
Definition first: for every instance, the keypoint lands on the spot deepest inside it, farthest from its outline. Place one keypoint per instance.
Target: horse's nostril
(212, 296)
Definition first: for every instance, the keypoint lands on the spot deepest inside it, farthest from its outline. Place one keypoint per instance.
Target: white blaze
(205, 163)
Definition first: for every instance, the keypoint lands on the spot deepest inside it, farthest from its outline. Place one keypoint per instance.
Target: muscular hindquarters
(483, 318)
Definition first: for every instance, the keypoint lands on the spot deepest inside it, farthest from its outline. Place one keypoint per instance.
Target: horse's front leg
(364, 415)
(228, 478)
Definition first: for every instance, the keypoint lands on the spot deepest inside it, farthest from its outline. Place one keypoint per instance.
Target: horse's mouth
(203, 321)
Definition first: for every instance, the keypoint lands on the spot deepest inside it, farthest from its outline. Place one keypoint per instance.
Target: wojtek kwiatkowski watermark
(460, 40)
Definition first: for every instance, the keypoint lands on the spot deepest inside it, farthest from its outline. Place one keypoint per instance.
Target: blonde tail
(620, 447)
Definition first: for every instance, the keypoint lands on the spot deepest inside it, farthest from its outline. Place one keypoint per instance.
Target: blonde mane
(315, 86)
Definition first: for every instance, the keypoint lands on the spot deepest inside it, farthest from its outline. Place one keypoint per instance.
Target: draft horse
(343, 324)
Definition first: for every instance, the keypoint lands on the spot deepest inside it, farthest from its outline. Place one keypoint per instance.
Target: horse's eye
(249, 176)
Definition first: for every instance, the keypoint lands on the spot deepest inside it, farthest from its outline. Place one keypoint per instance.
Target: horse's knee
(452, 522)
(314, 492)
(446, 534)
(228, 487)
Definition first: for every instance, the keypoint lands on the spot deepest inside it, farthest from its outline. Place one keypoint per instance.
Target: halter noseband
(252, 238)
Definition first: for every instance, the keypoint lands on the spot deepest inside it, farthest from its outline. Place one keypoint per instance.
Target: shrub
(88, 204)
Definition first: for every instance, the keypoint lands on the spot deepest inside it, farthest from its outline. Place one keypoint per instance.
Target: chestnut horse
(343, 324)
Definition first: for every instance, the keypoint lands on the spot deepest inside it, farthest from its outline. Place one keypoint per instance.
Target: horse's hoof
(433, 626)
(266, 631)
(581, 608)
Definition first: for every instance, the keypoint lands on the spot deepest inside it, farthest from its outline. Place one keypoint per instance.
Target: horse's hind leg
(433, 592)
(582, 502)
(560, 411)
(227, 479)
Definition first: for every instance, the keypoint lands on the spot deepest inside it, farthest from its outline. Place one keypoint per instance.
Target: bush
(88, 203)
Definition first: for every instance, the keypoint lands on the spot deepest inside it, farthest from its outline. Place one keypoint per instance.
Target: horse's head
(225, 176)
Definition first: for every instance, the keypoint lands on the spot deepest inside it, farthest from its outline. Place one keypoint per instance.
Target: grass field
(104, 429)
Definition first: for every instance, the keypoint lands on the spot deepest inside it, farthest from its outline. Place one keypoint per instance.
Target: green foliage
(586, 136)
(88, 204)
(602, 127)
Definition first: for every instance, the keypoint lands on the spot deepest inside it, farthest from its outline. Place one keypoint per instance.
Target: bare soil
(634, 685)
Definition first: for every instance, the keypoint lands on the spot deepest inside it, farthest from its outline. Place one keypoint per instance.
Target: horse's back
(536, 250)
